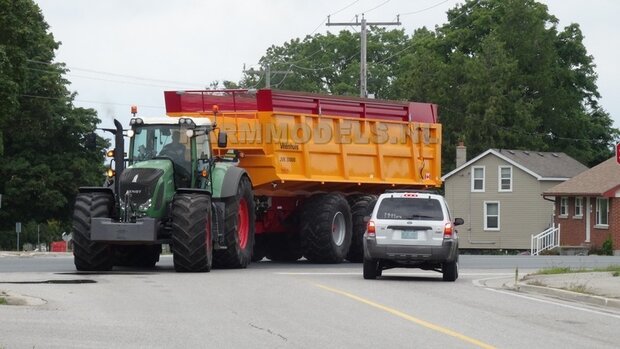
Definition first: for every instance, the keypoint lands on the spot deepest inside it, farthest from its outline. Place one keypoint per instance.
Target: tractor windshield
(150, 141)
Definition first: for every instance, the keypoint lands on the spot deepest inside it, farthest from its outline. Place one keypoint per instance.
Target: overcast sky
(124, 52)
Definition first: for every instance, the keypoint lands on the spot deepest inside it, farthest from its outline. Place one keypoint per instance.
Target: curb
(568, 295)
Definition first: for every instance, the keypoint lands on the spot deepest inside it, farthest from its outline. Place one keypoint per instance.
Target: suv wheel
(371, 269)
(450, 271)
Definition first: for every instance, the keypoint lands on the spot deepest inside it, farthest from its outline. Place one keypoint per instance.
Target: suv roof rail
(425, 191)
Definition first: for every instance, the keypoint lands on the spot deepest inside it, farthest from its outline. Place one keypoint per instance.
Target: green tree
(43, 135)
(505, 77)
(330, 63)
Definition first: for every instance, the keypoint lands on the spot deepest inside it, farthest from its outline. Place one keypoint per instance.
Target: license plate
(409, 234)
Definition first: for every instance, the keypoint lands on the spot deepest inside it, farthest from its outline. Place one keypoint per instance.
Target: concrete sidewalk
(597, 288)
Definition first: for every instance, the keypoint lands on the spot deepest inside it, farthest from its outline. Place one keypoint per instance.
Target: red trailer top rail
(202, 101)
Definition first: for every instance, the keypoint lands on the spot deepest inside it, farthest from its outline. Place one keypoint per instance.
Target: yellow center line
(415, 320)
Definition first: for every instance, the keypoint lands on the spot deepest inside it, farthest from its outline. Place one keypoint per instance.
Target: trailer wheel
(239, 218)
(89, 255)
(361, 206)
(142, 256)
(284, 248)
(326, 228)
(192, 243)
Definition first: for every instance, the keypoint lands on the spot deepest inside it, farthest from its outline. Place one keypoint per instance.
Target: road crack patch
(268, 331)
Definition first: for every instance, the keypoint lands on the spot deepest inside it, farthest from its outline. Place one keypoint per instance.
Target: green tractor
(171, 190)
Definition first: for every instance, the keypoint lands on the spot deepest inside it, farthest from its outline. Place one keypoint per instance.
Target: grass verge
(614, 269)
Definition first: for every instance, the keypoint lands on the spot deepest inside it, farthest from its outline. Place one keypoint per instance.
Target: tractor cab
(182, 141)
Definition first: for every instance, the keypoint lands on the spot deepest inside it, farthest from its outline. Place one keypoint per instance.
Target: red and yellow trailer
(316, 161)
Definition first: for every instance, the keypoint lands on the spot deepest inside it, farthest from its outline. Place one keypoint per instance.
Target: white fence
(546, 240)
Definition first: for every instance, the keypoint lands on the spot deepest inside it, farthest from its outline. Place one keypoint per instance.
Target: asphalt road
(299, 305)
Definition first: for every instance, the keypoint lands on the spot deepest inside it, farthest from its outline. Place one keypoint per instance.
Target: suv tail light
(371, 229)
(447, 231)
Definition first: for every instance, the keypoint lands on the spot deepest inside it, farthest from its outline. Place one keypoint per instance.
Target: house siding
(523, 211)
(573, 230)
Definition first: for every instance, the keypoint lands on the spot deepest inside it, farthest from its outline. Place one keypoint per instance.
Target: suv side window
(410, 209)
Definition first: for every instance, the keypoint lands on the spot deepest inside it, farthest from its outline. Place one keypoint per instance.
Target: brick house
(587, 206)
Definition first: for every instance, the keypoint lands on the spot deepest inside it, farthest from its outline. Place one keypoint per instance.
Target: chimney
(461, 154)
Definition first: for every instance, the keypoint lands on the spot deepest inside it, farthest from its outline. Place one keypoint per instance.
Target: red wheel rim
(244, 223)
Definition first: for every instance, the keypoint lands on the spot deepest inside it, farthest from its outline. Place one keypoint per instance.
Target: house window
(602, 211)
(578, 207)
(477, 178)
(564, 207)
(505, 178)
(491, 215)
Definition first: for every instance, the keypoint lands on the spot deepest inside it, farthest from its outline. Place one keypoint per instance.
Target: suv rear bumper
(447, 252)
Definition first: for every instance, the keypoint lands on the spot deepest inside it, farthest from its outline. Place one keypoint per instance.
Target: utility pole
(363, 33)
(268, 72)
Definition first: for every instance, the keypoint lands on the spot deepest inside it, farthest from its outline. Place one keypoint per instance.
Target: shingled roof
(542, 165)
(601, 180)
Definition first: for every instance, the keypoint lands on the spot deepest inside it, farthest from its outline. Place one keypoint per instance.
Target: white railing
(546, 240)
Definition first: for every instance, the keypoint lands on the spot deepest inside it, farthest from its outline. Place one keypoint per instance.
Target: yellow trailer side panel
(292, 154)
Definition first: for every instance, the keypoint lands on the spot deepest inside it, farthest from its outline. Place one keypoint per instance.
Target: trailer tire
(239, 219)
(284, 248)
(361, 206)
(192, 242)
(141, 256)
(89, 255)
(326, 228)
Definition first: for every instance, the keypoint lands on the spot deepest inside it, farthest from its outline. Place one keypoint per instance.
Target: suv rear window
(410, 209)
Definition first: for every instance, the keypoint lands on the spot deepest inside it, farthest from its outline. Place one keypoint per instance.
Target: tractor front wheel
(89, 255)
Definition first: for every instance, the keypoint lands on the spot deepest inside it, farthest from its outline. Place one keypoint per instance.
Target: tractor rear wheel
(192, 243)
(239, 218)
(326, 228)
(89, 255)
(361, 206)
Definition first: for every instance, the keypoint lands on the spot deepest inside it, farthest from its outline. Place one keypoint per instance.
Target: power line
(89, 101)
(424, 9)
(117, 75)
(374, 8)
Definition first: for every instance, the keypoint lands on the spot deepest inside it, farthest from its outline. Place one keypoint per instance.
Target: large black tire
(239, 219)
(192, 242)
(361, 206)
(450, 270)
(326, 228)
(142, 256)
(89, 255)
(284, 247)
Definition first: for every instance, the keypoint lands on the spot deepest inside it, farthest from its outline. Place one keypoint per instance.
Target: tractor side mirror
(222, 139)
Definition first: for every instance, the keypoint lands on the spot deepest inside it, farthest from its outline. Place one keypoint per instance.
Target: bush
(607, 248)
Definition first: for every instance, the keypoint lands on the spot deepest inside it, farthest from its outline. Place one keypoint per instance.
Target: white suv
(411, 229)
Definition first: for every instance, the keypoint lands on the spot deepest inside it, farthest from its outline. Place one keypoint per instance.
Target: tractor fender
(96, 190)
(231, 181)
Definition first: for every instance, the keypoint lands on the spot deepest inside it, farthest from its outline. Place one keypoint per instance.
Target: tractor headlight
(189, 133)
(130, 133)
(110, 172)
(145, 206)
